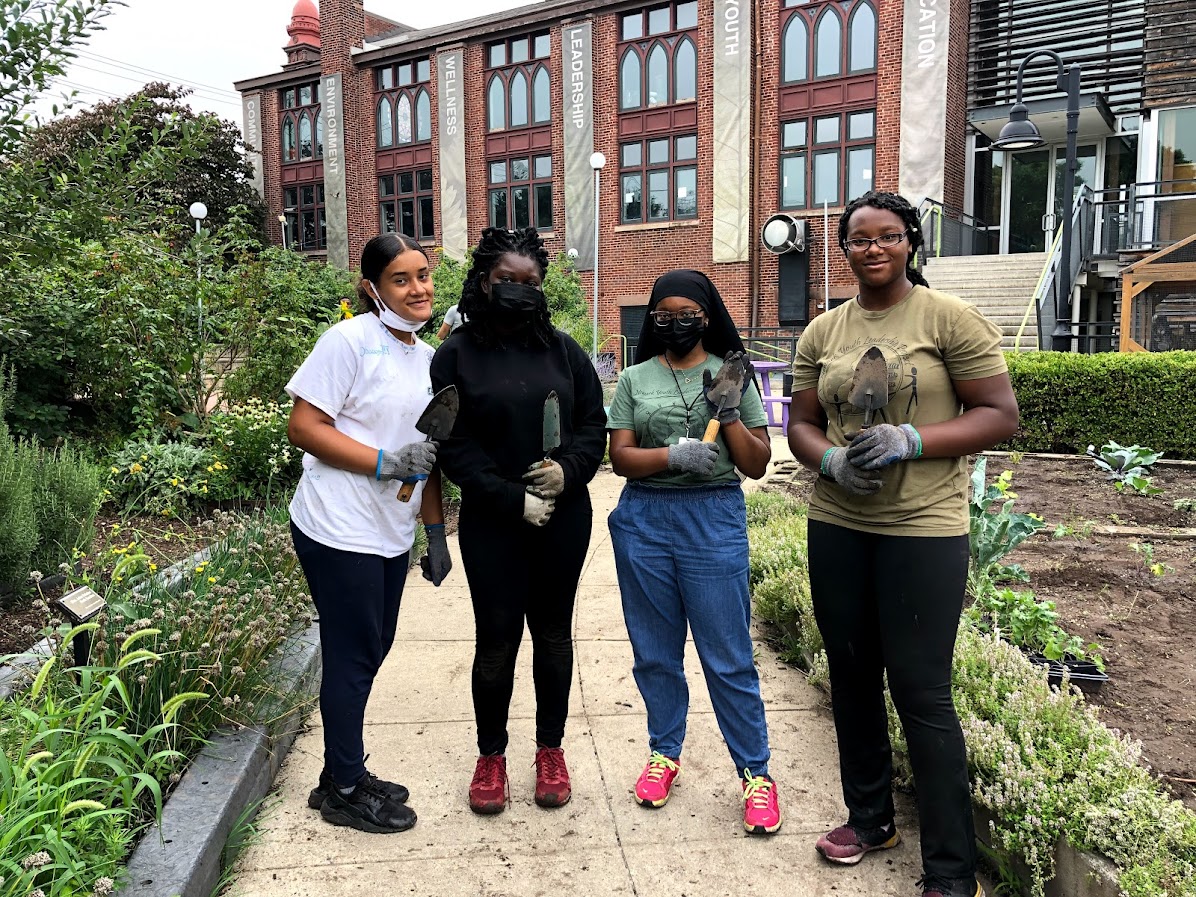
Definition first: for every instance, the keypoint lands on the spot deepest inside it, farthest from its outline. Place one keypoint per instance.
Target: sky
(209, 44)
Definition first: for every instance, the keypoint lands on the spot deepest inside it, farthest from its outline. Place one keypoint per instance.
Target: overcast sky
(209, 44)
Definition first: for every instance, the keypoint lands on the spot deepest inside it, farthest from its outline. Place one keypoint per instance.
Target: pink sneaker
(653, 786)
(761, 812)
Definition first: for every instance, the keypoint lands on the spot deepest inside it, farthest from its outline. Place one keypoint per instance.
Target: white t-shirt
(374, 388)
(453, 318)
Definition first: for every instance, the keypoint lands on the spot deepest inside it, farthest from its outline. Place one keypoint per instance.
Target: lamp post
(282, 226)
(199, 212)
(1019, 133)
(597, 160)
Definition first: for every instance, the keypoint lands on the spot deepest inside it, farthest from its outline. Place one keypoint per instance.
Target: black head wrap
(720, 336)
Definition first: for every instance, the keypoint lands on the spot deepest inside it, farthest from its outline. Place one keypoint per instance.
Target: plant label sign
(82, 604)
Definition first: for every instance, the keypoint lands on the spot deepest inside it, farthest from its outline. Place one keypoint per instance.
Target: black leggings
(892, 603)
(517, 571)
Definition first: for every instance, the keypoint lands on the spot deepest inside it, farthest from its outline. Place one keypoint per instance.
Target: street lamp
(1019, 133)
(597, 160)
(199, 212)
(282, 226)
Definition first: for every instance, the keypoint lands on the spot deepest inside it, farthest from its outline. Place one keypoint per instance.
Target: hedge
(1070, 401)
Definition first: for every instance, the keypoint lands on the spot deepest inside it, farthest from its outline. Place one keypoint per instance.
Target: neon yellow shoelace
(756, 789)
(657, 764)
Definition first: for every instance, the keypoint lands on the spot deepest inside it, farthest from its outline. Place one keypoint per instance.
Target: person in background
(452, 320)
(525, 518)
(357, 398)
(888, 533)
(680, 535)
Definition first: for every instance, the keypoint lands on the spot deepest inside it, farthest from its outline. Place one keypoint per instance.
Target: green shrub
(1068, 401)
(778, 545)
(67, 497)
(18, 512)
(993, 533)
(764, 507)
(249, 441)
(168, 478)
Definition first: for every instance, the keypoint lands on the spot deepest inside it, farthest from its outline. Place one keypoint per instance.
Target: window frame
(417, 196)
(810, 148)
(294, 215)
(644, 168)
(409, 80)
(295, 116)
(812, 16)
(534, 182)
(501, 77)
(644, 49)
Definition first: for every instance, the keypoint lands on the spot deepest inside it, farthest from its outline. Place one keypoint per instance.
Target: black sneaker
(937, 886)
(395, 792)
(367, 808)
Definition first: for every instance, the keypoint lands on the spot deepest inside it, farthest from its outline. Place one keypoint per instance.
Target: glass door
(1029, 184)
(1085, 175)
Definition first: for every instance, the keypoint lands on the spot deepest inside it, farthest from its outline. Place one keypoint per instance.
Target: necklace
(688, 407)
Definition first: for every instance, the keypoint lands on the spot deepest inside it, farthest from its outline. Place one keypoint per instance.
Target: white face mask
(390, 319)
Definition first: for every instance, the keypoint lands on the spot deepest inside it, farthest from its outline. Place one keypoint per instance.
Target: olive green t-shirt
(647, 402)
(928, 339)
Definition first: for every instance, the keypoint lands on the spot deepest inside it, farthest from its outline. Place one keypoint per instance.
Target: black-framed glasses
(664, 318)
(884, 241)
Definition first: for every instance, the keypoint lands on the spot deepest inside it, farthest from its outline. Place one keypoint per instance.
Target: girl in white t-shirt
(357, 398)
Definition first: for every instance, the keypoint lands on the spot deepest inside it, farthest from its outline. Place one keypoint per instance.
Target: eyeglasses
(664, 318)
(884, 241)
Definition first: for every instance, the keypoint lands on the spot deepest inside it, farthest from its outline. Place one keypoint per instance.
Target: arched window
(386, 130)
(795, 50)
(288, 140)
(305, 147)
(518, 91)
(423, 116)
(541, 97)
(319, 136)
(685, 71)
(861, 39)
(403, 119)
(828, 42)
(630, 81)
(496, 104)
(658, 76)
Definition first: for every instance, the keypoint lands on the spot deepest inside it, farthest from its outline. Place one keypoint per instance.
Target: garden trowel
(552, 426)
(436, 423)
(870, 384)
(725, 387)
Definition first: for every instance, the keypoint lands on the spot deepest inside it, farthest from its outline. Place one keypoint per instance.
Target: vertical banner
(336, 206)
(454, 223)
(577, 60)
(925, 31)
(732, 129)
(251, 108)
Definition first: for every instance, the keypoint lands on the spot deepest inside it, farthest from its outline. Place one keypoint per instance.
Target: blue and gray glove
(413, 461)
(849, 477)
(882, 445)
(437, 563)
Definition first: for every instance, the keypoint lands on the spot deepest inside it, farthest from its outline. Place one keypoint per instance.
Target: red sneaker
(653, 786)
(848, 844)
(761, 810)
(488, 790)
(552, 778)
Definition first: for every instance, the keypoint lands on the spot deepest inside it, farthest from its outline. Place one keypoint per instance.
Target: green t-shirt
(647, 402)
(929, 339)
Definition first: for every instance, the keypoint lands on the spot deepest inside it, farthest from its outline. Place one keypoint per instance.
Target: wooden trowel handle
(407, 490)
(711, 433)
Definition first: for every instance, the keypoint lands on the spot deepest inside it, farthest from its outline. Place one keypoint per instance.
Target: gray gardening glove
(849, 477)
(883, 444)
(436, 563)
(545, 479)
(536, 510)
(739, 372)
(697, 458)
(411, 462)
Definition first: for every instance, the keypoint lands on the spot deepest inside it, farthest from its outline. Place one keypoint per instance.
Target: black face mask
(679, 337)
(516, 303)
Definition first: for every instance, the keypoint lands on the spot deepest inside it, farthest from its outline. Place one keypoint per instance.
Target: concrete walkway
(419, 731)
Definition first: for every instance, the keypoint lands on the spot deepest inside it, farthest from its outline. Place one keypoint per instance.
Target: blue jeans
(682, 556)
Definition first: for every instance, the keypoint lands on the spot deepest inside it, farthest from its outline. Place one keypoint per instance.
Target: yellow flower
(211, 579)
(136, 468)
(116, 470)
(145, 457)
(346, 312)
(174, 481)
(153, 567)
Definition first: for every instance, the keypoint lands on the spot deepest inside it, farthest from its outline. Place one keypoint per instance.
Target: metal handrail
(1048, 271)
(931, 215)
(1048, 284)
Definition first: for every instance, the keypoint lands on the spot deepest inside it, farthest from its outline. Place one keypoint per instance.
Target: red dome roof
(305, 9)
(305, 24)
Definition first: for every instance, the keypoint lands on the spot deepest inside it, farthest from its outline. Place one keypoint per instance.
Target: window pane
(658, 20)
(290, 197)
(522, 207)
(633, 26)
(404, 77)
(403, 119)
(319, 136)
(423, 116)
(389, 224)
(498, 172)
(795, 46)
(308, 230)
(386, 128)
(544, 206)
(543, 47)
(305, 142)
(496, 104)
(498, 54)
(423, 70)
(826, 177)
(498, 208)
(658, 195)
(685, 72)
(541, 98)
(319, 194)
(632, 154)
(406, 183)
(423, 179)
(542, 166)
(859, 171)
(658, 76)
(519, 170)
(861, 125)
(288, 140)
(686, 182)
(288, 99)
(386, 185)
(386, 78)
(658, 151)
(629, 81)
(407, 217)
(426, 220)
(322, 226)
(793, 134)
(687, 15)
(687, 148)
(518, 88)
(827, 41)
(793, 181)
(826, 130)
(519, 50)
(305, 95)
(632, 198)
(861, 39)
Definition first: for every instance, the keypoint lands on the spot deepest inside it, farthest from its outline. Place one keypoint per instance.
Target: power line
(137, 79)
(96, 57)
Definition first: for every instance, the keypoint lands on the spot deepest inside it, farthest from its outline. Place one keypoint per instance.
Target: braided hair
(475, 303)
(376, 257)
(899, 206)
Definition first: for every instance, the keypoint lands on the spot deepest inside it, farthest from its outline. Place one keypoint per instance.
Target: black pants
(357, 596)
(892, 603)
(517, 571)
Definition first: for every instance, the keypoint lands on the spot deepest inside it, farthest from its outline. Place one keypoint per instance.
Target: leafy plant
(67, 496)
(1145, 552)
(1030, 624)
(1127, 466)
(167, 478)
(993, 533)
(249, 443)
(1184, 504)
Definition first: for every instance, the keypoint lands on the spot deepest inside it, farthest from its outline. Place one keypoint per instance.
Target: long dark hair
(899, 206)
(376, 258)
(475, 304)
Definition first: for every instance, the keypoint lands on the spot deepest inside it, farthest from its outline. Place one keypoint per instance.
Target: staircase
(1001, 286)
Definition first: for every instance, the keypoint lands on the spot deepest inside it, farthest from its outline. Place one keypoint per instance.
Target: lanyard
(690, 407)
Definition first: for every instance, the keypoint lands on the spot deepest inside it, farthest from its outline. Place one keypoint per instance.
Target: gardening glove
(697, 458)
(537, 510)
(412, 462)
(736, 371)
(849, 477)
(545, 479)
(883, 444)
(436, 563)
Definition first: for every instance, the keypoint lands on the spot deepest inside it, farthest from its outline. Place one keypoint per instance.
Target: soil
(1105, 592)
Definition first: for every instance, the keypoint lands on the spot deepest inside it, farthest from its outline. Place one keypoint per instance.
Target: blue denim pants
(682, 557)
